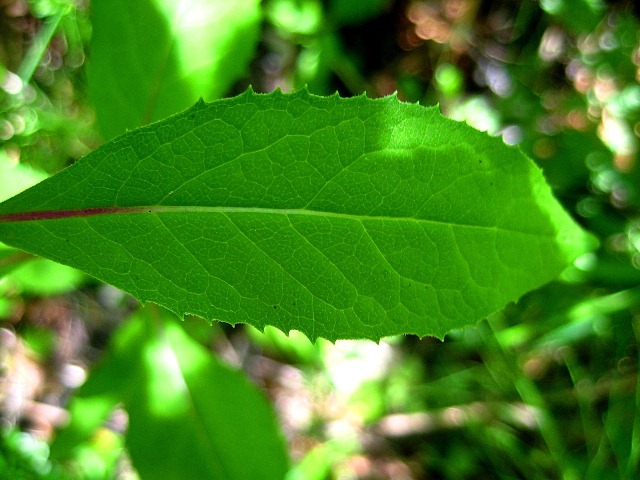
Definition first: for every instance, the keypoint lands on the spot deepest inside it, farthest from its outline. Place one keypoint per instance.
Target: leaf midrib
(159, 209)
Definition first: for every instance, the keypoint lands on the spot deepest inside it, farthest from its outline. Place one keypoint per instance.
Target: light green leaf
(190, 416)
(341, 218)
(153, 58)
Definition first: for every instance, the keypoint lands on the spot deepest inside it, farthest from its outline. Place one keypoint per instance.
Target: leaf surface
(341, 218)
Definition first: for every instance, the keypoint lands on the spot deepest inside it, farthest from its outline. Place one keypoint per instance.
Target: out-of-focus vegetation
(546, 388)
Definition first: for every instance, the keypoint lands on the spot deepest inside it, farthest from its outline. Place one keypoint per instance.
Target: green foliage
(163, 55)
(546, 387)
(354, 11)
(340, 218)
(191, 405)
(22, 456)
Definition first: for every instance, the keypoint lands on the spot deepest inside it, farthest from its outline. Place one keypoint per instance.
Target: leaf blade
(341, 218)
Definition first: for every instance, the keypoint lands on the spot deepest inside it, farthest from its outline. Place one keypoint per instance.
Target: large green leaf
(189, 415)
(341, 218)
(153, 58)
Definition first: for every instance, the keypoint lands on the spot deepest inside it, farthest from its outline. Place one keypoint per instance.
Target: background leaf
(347, 12)
(341, 218)
(15, 176)
(190, 416)
(161, 56)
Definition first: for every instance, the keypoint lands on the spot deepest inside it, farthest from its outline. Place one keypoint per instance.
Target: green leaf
(190, 416)
(579, 16)
(341, 218)
(153, 58)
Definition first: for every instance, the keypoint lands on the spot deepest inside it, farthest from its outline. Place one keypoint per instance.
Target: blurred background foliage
(547, 388)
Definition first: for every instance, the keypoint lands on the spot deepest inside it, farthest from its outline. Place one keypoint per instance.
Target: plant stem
(39, 47)
(531, 396)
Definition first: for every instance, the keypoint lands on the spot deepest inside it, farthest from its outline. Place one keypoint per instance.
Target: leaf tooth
(248, 93)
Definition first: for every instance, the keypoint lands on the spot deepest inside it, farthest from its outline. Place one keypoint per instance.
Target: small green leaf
(153, 58)
(341, 218)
